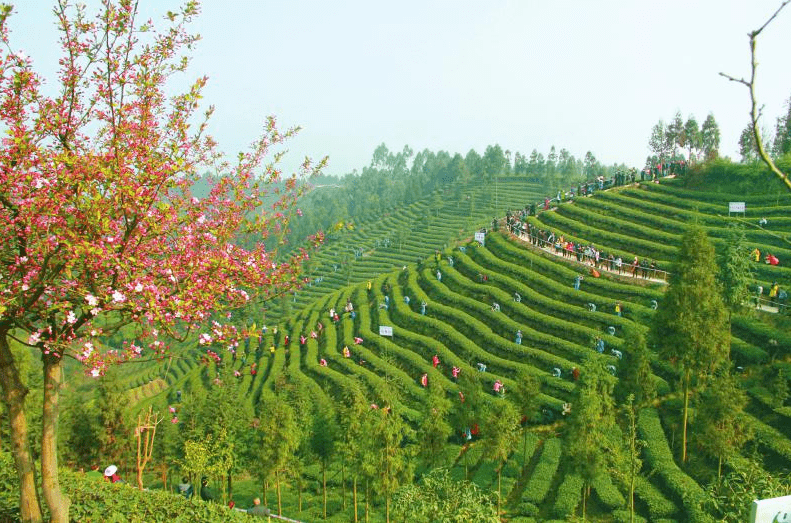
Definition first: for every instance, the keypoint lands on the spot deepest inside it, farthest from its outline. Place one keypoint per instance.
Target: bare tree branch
(755, 111)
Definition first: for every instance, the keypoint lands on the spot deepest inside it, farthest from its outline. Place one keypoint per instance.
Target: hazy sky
(456, 74)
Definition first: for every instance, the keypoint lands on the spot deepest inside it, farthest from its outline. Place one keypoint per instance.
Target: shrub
(569, 496)
(660, 459)
(541, 479)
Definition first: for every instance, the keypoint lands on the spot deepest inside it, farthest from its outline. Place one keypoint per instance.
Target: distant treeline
(400, 178)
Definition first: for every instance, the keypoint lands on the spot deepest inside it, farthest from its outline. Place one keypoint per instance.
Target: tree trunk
(343, 482)
(367, 496)
(687, 377)
(387, 508)
(299, 493)
(163, 471)
(354, 497)
(57, 501)
(499, 489)
(719, 467)
(584, 500)
(631, 498)
(14, 392)
(324, 486)
(230, 486)
(277, 483)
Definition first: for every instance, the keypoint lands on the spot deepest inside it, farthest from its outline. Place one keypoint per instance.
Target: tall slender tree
(392, 441)
(501, 433)
(527, 398)
(352, 416)
(736, 273)
(674, 134)
(636, 378)
(720, 426)
(278, 439)
(434, 430)
(692, 139)
(590, 433)
(690, 329)
(747, 147)
(323, 440)
(710, 137)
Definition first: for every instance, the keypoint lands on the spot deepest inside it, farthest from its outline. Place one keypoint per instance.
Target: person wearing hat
(110, 474)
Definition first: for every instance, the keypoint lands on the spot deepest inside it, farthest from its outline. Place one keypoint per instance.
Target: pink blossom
(91, 299)
(172, 410)
(174, 420)
(118, 297)
(96, 372)
(34, 338)
(204, 339)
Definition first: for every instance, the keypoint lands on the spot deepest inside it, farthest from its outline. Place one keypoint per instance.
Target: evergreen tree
(352, 416)
(720, 427)
(658, 142)
(471, 409)
(501, 435)
(710, 138)
(590, 433)
(690, 328)
(636, 379)
(625, 458)
(747, 147)
(116, 435)
(674, 134)
(278, 438)
(782, 141)
(736, 270)
(527, 398)
(322, 444)
(692, 139)
(434, 429)
(81, 431)
(393, 454)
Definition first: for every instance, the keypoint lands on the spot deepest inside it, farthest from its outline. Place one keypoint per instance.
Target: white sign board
(773, 510)
(736, 206)
(385, 331)
(479, 237)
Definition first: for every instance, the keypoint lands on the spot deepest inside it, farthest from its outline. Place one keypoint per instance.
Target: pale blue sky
(458, 74)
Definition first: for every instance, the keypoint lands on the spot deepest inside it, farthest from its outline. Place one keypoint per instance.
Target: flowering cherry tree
(101, 222)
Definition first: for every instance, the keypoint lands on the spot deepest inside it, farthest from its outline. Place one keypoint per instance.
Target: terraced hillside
(407, 234)
(463, 311)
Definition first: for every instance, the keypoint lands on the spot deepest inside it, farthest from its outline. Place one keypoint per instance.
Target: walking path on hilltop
(627, 273)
